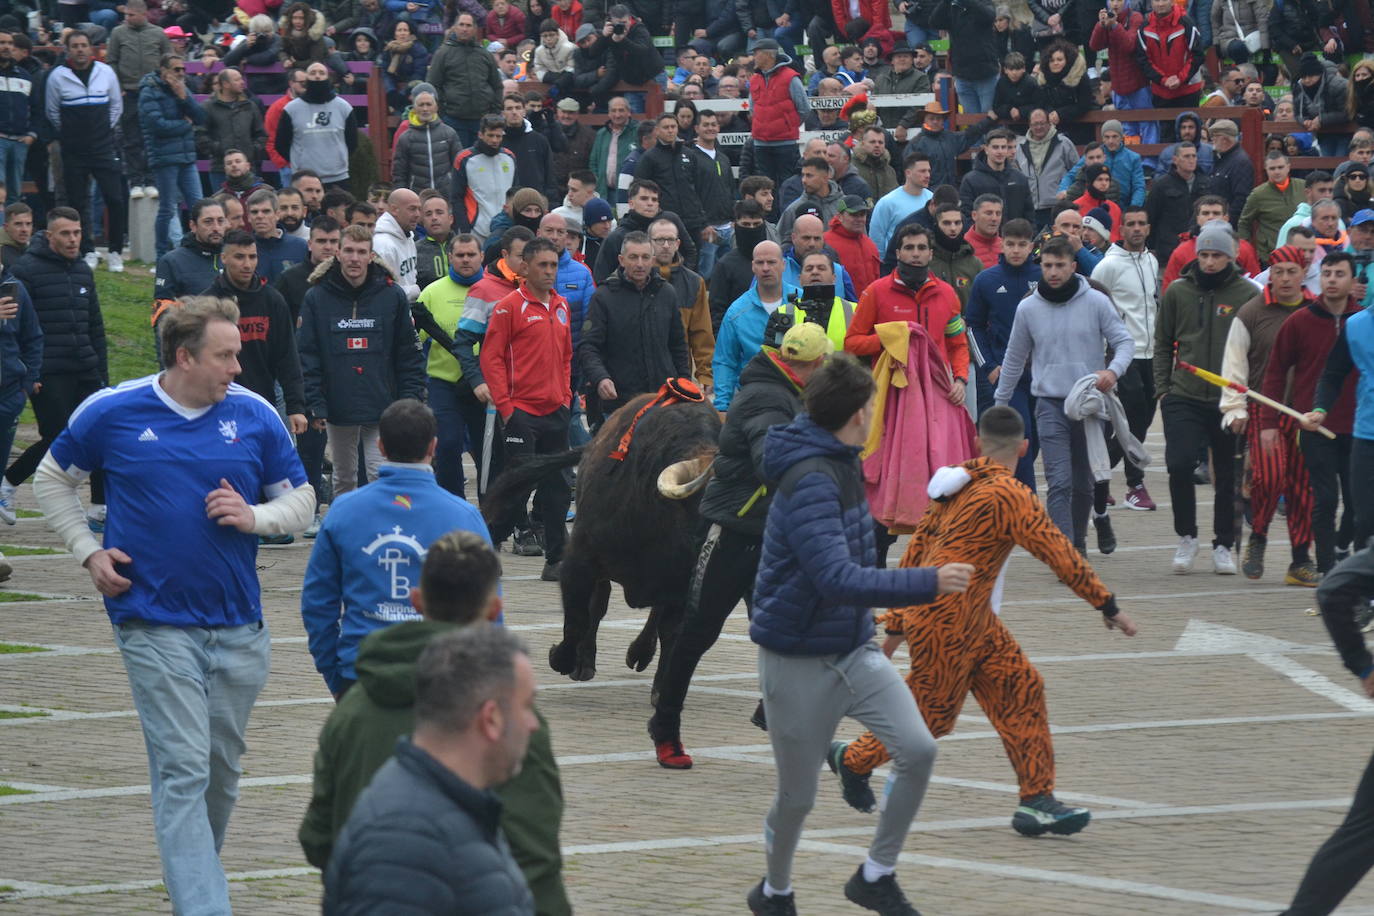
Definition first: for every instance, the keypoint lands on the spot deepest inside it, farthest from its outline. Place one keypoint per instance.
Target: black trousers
(525, 435)
(52, 407)
(1328, 467)
(1362, 468)
(1348, 854)
(135, 157)
(310, 446)
(727, 563)
(1189, 426)
(1136, 389)
(76, 177)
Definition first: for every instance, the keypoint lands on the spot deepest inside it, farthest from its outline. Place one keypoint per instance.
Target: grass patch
(11, 648)
(6, 597)
(18, 550)
(11, 714)
(7, 888)
(28, 513)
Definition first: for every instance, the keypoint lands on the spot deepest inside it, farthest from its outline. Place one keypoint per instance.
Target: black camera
(617, 28)
(816, 311)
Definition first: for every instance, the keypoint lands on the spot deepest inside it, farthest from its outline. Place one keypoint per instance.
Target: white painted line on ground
(1319, 684)
(32, 787)
(28, 890)
(1024, 873)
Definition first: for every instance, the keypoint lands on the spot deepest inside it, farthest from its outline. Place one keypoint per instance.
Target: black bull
(626, 531)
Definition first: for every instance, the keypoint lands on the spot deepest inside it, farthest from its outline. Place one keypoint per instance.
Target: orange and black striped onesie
(959, 644)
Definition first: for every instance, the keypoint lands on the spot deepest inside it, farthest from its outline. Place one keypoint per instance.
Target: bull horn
(682, 479)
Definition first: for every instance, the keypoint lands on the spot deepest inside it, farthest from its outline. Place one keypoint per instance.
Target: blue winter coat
(818, 579)
(21, 343)
(20, 106)
(991, 308)
(167, 136)
(1127, 168)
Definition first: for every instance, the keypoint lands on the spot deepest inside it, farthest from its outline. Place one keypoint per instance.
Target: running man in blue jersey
(186, 455)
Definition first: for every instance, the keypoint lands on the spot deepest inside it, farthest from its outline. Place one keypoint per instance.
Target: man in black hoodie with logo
(268, 357)
(358, 352)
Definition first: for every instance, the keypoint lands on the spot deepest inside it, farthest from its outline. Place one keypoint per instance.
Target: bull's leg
(641, 651)
(578, 583)
(586, 648)
(669, 628)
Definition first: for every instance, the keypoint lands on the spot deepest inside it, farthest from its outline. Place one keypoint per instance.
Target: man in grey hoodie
(1059, 332)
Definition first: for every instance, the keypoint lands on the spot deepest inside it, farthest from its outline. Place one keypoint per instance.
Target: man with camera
(819, 302)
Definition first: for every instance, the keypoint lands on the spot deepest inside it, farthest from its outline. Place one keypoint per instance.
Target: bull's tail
(515, 484)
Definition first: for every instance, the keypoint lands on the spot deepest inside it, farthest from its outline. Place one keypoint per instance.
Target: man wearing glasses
(692, 298)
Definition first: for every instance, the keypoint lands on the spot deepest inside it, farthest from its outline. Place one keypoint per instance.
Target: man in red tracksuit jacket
(527, 365)
(1170, 53)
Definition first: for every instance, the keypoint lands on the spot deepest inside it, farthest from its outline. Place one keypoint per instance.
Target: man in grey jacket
(1058, 333)
(1044, 156)
(467, 78)
(135, 48)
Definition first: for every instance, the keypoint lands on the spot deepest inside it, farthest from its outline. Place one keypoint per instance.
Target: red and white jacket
(1171, 46)
(527, 354)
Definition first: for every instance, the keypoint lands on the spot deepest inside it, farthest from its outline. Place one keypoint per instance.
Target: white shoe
(1185, 555)
(115, 263)
(149, 191)
(7, 513)
(92, 260)
(136, 193)
(1223, 564)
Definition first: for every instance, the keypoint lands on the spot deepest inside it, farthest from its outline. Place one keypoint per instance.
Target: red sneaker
(671, 755)
(1138, 498)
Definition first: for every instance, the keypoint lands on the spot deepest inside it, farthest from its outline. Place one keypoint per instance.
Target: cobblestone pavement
(1217, 750)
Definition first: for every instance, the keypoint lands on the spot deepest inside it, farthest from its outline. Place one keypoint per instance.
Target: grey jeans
(804, 698)
(343, 453)
(1068, 475)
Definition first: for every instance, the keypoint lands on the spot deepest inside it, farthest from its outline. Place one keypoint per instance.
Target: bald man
(808, 237)
(742, 329)
(394, 241)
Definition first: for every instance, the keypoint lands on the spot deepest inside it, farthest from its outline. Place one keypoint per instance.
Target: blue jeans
(173, 181)
(707, 255)
(448, 457)
(788, 36)
(915, 34)
(466, 128)
(976, 95)
(194, 688)
(13, 155)
(776, 162)
(1147, 131)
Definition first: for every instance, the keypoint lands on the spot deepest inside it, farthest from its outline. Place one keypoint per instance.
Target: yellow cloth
(888, 372)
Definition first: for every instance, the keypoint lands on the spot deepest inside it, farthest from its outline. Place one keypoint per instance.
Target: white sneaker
(136, 193)
(92, 260)
(149, 191)
(115, 263)
(1185, 555)
(7, 513)
(1223, 564)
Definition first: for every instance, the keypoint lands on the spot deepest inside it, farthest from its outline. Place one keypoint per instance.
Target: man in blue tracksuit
(372, 544)
(991, 307)
(575, 284)
(813, 622)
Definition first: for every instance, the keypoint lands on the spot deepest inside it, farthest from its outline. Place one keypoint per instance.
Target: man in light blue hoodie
(1059, 329)
(370, 548)
(742, 328)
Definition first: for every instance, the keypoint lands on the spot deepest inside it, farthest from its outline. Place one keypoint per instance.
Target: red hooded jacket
(858, 254)
(1171, 46)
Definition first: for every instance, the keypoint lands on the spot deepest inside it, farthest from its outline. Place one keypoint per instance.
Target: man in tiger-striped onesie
(979, 512)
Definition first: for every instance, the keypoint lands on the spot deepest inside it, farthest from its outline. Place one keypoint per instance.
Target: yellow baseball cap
(806, 342)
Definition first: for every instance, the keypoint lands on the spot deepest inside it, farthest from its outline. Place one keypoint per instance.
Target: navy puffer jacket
(63, 293)
(818, 582)
(169, 138)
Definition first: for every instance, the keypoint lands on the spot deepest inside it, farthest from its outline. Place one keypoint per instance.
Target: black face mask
(746, 237)
(947, 243)
(1216, 280)
(912, 277)
(529, 222)
(318, 90)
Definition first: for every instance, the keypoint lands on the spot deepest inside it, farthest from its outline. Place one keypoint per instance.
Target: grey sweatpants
(804, 698)
(1068, 473)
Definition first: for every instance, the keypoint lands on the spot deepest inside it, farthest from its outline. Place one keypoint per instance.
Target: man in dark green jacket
(467, 78)
(458, 587)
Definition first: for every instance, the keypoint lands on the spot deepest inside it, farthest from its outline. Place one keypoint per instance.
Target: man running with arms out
(959, 644)
(814, 626)
(183, 452)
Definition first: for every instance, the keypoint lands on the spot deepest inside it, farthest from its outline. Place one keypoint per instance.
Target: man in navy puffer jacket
(813, 621)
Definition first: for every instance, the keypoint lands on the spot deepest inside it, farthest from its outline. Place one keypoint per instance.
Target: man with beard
(873, 163)
(319, 129)
(644, 209)
(953, 259)
(533, 155)
(578, 140)
(240, 180)
(913, 194)
(692, 299)
(192, 266)
(820, 197)
(291, 213)
(734, 271)
(307, 181)
(16, 233)
(483, 174)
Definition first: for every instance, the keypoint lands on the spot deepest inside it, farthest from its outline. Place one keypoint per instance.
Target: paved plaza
(1217, 749)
